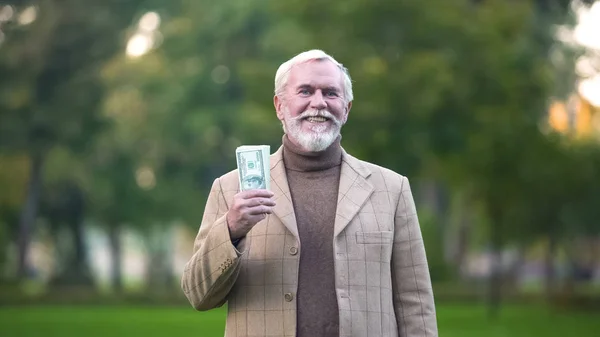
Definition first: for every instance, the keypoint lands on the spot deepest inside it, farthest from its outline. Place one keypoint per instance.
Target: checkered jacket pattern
(382, 278)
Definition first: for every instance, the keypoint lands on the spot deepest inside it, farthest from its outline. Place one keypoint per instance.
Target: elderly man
(334, 249)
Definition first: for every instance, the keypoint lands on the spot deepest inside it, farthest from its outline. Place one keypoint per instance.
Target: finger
(259, 201)
(256, 194)
(259, 210)
(256, 218)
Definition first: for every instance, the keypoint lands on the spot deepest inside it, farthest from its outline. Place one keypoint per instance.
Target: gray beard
(311, 141)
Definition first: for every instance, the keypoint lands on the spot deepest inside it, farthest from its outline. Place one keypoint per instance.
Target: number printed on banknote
(253, 166)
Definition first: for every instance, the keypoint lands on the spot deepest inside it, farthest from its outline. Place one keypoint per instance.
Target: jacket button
(293, 250)
(288, 297)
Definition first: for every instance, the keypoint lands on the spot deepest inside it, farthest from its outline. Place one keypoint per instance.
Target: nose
(318, 101)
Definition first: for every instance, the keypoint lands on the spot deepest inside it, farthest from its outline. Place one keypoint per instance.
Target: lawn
(107, 321)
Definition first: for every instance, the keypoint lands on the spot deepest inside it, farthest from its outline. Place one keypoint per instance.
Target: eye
(331, 94)
(304, 92)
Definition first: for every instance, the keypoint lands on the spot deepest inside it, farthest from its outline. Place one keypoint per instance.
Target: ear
(346, 112)
(278, 102)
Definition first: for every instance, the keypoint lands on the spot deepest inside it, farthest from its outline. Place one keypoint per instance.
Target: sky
(587, 34)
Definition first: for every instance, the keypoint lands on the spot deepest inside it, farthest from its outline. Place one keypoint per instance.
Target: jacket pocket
(374, 238)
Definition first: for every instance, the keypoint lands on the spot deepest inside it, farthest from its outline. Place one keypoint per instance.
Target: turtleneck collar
(297, 159)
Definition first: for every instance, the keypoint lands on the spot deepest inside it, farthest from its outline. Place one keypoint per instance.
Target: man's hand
(248, 208)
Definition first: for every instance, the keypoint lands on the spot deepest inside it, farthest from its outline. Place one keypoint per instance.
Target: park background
(116, 116)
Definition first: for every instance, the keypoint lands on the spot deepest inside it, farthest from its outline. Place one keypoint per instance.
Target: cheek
(339, 110)
(296, 110)
(298, 105)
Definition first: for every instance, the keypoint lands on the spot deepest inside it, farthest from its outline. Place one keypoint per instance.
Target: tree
(13, 179)
(50, 89)
(176, 117)
(446, 91)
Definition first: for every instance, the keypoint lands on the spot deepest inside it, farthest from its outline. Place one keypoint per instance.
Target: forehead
(316, 73)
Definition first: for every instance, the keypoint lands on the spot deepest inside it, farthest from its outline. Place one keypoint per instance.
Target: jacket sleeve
(413, 294)
(215, 264)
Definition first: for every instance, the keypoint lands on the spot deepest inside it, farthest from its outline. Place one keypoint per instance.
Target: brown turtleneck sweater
(313, 180)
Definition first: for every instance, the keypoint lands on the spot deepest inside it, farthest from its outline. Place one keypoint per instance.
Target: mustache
(317, 113)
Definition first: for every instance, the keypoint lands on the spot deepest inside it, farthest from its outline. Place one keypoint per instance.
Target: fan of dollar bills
(254, 166)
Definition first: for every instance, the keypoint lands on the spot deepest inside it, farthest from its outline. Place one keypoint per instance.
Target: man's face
(313, 108)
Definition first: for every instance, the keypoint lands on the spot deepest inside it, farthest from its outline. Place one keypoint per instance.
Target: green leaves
(447, 90)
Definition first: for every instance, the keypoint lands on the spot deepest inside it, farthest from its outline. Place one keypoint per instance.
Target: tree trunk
(462, 244)
(550, 273)
(160, 271)
(80, 261)
(495, 286)
(595, 252)
(567, 293)
(116, 275)
(29, 214)
(77, 270)
(159, 275)
(64, 207)
(3, 244)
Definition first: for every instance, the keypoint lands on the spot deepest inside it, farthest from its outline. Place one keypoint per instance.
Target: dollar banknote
(254, 166)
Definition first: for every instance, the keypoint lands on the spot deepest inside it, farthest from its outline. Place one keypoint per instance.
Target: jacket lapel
(353, 191)
(284, 209)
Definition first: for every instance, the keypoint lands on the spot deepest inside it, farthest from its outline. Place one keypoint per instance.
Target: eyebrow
(310, 86)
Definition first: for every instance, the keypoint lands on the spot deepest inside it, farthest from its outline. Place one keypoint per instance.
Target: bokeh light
(28, 15)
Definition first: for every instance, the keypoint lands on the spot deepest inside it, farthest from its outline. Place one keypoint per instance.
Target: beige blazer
(382, 278)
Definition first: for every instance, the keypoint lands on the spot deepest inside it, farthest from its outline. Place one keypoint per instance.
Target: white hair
(283, 73)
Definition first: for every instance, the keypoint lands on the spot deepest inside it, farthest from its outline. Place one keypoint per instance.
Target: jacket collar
(354, 189)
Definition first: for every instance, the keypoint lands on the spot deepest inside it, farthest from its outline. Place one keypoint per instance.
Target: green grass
(109, 321)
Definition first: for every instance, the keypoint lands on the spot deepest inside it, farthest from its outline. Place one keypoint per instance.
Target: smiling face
(313, 108)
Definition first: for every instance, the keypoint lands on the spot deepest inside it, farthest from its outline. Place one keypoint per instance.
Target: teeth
(317, 119)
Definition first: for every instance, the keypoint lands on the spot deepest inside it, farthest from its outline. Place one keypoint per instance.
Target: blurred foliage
(453, 92)
(441, 271)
